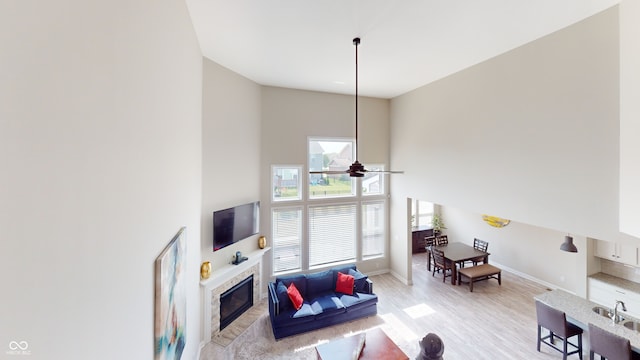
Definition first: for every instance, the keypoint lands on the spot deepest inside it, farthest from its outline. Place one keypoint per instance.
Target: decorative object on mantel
(495, 221)
(171, 300)
(262, 242)
(568, 245)
(437, 224)
(239, 258)
(205, 270)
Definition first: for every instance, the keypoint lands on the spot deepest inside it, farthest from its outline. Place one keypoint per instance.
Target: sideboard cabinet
(417, 239)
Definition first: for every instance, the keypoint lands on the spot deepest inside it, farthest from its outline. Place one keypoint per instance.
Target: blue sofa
(322, 305)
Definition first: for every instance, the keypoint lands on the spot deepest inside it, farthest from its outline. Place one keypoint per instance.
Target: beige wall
(531, 135)
(290, 116)
(230, 153)
(100, 138)
(524, 249)
(629, 118)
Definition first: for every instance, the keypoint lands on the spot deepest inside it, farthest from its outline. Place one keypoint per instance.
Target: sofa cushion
(305, 310)
(327, 305)
(284, 303)
(360, 281)
(294, 295)
(343, 269)
(318, 283)
(357, 300)
(344, 284)
(300, 280)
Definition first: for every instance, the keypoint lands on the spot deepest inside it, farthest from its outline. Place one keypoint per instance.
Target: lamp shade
(568, 245)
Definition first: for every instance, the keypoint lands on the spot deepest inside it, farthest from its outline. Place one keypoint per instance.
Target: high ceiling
(306, 44)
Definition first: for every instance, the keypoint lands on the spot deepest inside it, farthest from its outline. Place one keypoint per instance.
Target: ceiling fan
(356, 169)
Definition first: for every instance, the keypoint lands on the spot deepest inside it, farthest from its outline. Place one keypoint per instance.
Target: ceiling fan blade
(384, 172)
(330, 172)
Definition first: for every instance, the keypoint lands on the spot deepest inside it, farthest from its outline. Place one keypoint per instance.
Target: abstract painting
(171, 300)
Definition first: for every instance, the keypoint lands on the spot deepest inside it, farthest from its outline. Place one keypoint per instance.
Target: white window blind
(373, 229)
(286, 228)
(332, 234)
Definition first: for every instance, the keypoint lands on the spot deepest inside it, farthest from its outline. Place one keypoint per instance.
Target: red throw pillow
(295, 296)
(344, 284)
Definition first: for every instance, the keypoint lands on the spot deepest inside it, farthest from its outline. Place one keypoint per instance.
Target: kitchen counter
(579, 311)
(616, 281)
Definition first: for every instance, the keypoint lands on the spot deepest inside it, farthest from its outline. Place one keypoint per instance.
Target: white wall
(231, 153)
(629, 118)
(531, 135)
(100, 146)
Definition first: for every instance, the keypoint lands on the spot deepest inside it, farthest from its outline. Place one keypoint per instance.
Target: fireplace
(236, 301)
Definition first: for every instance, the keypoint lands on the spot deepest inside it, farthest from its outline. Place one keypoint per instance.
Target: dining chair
(442, 240)
(429, 241)
(555, 321)
(441, 263)
(478, 245)
(608, 345)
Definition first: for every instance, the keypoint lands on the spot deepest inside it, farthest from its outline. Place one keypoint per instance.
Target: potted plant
(437, 224)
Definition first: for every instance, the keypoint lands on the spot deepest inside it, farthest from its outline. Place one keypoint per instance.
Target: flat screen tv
(235, 224)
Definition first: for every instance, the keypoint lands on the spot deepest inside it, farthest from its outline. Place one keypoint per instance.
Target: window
(286, 229)
(332, 234)
(286, 183)
(331, 155)
(373, 183)
(328, 219)
(422, 212)
(373, 229)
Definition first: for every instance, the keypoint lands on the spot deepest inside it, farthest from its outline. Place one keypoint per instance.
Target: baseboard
(529, 277)
(402, 279)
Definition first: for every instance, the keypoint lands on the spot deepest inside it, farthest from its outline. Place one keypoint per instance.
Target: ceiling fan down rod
(356, 42)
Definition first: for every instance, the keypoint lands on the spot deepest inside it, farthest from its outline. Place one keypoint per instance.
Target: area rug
(257, 341)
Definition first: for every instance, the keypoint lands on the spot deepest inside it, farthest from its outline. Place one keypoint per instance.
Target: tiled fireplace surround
(222, 280)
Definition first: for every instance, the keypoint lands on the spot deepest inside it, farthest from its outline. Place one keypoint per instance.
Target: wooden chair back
(480, 244)
(439, 262)
(442, 240)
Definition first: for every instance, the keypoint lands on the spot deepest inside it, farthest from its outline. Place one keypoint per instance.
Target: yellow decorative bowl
(205, 270)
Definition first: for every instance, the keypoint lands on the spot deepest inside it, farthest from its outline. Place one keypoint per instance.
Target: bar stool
(556, 322)
(608, 345)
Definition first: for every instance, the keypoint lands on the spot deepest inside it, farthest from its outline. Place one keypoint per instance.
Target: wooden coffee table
(377, 346)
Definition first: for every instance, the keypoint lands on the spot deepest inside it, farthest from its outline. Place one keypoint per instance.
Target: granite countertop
(616, 281)
(579, 311)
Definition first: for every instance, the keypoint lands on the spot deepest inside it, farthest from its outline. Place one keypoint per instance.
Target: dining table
(458, 253)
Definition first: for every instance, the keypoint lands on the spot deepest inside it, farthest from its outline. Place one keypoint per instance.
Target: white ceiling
(305, 44)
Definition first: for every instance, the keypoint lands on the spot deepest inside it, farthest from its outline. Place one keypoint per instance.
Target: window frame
(358, 198)
(300, 196)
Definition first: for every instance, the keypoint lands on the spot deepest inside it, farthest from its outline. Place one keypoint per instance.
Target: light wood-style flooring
(492, 322)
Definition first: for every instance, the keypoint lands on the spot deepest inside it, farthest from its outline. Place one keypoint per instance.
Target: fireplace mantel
(221, 278)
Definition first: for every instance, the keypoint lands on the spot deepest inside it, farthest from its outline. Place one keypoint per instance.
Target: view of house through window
(340, 219)
(286, 183)
(332, 155)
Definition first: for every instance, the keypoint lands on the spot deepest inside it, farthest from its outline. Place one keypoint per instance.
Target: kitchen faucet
(615, 311)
